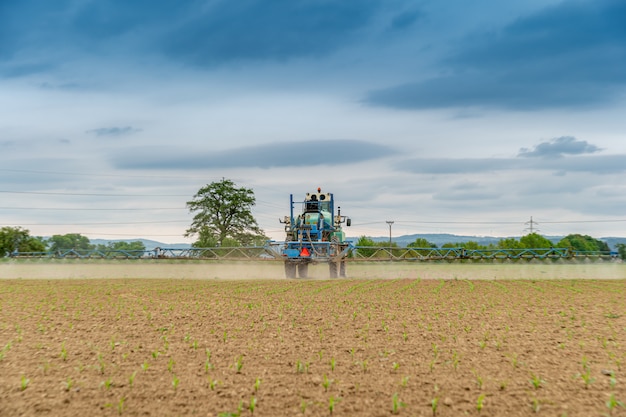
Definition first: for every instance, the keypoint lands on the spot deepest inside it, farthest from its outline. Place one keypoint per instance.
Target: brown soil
(367, 347)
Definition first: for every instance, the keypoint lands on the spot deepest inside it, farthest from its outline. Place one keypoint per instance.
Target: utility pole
(390, 222)
(531, 225)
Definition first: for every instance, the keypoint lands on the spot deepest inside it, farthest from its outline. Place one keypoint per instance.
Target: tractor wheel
(332, 269)
(342, 269)
(290, 270)
(303, 270)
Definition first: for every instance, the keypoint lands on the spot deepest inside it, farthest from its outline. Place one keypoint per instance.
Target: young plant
(175, 382)
(434, 403)
(239, 364)
(24, 383)
(332, 401)
(257, 384)
(613, 403)
(120, 405)
(212, 384)
(252, 405)
(536, 381)
(586, 377)
(326, 382)
(480, 402)
(396, 404)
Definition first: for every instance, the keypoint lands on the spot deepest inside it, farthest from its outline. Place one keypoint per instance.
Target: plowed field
(276, 347)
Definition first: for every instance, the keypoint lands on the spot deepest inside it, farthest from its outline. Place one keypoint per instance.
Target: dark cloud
(569, 55)
(285, 154)
(606, 164)
(405, 19)
(556, 148)
(261, 30)
(114, 131)
(196, 33)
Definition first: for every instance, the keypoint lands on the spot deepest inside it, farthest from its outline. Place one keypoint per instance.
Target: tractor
(315, 236)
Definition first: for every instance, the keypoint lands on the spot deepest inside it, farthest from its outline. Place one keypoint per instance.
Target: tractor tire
(303, 270)
(342, 269)
(332, 269)
(290, 270)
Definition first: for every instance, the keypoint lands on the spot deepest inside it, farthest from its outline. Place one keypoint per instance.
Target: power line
(92, 209)
(97, 224)
(92, 194)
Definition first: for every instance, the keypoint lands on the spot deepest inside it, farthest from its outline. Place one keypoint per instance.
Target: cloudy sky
(443, 116)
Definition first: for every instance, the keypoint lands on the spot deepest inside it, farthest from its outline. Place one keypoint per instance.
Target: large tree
(223, 214)
(535, 241)
(583, 243)
(69, 241)
(17, 239)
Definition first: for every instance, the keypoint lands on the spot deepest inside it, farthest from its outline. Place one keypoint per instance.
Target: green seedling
(170, 365)
(120, 405)
(396, 404)
(332, 402)
(405, 381)
(535, 405)
(24, 383)
(480, 402)
(257, 384)
(131, 378)
(212, 384)
(326, 382)
(613, 403)
(434, 403)
(396, 366)
(479, 379)
(252, 405)
(63, 352)
(536, 381)
(586, 377)
(145, 365)
(303, 405)
(239, 364)
(332, 364)
(175, 382)
(69, 383)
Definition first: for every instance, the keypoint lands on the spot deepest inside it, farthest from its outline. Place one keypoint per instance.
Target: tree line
(223, 217)
(575, 242)
(17, 239)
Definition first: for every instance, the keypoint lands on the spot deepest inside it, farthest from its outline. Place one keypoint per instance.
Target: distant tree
(136, 245)
(472, 245)
(535, 241)
(421, 243)
(224, 211)
(364, 243)
(510, 243)
(583, 243)
(17, 239)
(69, 241)
(621, 249)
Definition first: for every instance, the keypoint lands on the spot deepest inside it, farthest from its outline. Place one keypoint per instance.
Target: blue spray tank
(314, 234)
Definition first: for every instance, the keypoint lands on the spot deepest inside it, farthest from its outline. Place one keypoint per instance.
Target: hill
(442, 238)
